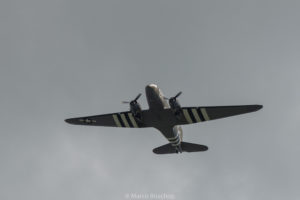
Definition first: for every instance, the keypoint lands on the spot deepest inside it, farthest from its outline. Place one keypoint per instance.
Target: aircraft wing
(201, 114)
(123, 119)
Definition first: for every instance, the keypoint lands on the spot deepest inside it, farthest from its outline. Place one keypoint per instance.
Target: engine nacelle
(136, 110)
(175, 106)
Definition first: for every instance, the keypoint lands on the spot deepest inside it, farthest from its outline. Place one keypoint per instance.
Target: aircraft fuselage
(157, 103)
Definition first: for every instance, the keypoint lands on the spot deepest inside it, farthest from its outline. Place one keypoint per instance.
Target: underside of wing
(123, 119)
(200, 114)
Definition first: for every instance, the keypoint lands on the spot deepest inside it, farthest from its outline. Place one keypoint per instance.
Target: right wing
(123, 119)
(201, 114)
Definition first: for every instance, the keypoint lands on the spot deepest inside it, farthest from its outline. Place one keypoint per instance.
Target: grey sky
(63, 59)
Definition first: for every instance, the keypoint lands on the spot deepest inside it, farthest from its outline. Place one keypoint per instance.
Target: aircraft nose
(150, 89)
(153, 86)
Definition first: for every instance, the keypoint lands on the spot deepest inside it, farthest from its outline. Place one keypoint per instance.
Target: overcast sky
(62, 59)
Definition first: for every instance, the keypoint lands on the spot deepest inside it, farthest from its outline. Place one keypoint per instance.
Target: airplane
(167, 116)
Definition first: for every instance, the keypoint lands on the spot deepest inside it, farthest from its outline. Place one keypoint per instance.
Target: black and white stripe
(204, 113)
(200, 115)
(194, 115)
(175, 141)
(125, 120)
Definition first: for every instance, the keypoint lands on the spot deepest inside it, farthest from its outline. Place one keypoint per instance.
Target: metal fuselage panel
(157, 103)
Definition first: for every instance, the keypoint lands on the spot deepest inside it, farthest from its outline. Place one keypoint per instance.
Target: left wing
(201, 114)
(123, 119)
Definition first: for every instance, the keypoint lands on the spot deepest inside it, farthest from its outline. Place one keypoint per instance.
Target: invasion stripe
(124, 120)
(132, 120)
(175, 141)
(192, 116)
(200, 114)
(128, 120)
(196, 115)
(174, 145)
(116, 120)
(121, 121)
(205, 115)
(187, 116)
(174, 138)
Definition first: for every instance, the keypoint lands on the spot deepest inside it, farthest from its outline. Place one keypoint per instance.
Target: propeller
(133, 101)
(173, 98)
(177, 95)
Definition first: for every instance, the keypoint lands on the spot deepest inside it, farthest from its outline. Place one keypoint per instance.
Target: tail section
(164, 149)
(190, 147)
(185, 147)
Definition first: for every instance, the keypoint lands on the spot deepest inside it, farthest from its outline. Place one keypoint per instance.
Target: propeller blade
(177, 95)
(138, 96)
(133, 101)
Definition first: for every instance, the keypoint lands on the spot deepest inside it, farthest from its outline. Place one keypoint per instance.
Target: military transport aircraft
(166, 116)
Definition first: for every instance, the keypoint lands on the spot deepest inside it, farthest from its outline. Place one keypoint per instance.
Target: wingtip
(68, 121)
(253, 108)
(259, 107)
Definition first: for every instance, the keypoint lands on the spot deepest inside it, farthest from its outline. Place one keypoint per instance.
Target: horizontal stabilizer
(164, 149)
(190, 147)
(185, 146)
